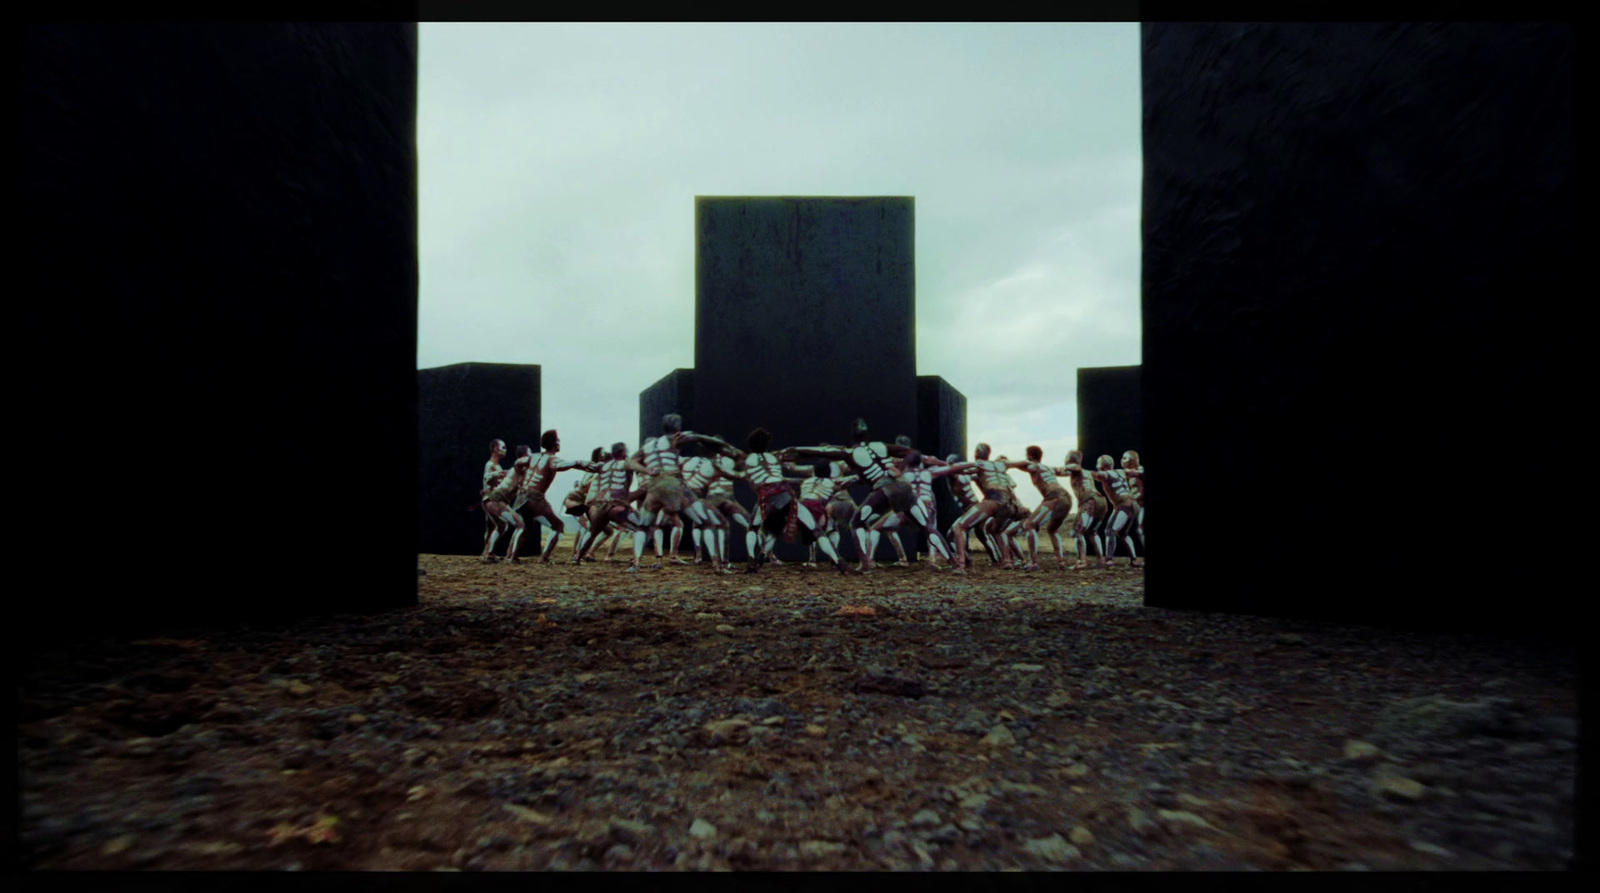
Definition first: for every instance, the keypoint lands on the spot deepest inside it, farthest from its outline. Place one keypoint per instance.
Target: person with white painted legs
(1091, 507)
(1118, 488)
(820, 495)
(610, 507)
(894, 527)
(720, 497)
(1058, 505)
(1135, 473)
(698, 473)
(575, 504)
(778, 510)
(920, 476)
(498, 504)
(871, 459)
(493, 474)
(668, 496)
(541, 474)
(965, 497)
(996, 510)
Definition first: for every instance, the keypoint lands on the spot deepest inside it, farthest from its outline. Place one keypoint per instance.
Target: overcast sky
(559, 165)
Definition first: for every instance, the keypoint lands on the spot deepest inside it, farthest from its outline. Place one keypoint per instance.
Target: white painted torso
(992, 475)
(697, 472)
(961, 489)
(492, 472)
(872, 459)
(727, 473)
(661, 455)
(612, 481)
(921, 481)
(818, 488)
(1043, 477)
(763, 468)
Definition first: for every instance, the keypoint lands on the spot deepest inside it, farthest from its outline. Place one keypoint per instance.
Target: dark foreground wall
(1358, 278)
(218, 248)
(460, 409)
(1110, 413)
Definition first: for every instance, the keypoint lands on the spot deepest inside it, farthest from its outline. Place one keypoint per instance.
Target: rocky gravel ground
(528, 717)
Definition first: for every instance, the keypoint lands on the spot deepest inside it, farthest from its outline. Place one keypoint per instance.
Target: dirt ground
(560, 717)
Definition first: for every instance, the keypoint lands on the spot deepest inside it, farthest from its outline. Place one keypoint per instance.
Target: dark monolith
(218, 233)
(1358, 257)
(460, 410)
(804, 320)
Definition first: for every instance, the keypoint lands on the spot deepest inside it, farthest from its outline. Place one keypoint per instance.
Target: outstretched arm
(707, 439)
(825, 451)
(636, 463)
(798, 471)
(948, 470)
(568, 465)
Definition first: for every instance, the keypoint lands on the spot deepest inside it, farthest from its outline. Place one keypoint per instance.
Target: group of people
(680, 476)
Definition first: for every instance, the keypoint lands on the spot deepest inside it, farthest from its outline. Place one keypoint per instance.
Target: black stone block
(941, 430)
(1358, 268)
(460, 410)
(1110, 413)
(218, 247)
(674, 393)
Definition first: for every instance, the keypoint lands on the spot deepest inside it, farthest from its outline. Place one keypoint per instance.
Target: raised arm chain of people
(680, 477)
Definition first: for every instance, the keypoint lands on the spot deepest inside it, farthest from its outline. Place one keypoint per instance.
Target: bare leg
(820, 539)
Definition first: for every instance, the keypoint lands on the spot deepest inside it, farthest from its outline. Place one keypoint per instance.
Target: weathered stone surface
(1319, 201)
(460, 409)
(220, 230)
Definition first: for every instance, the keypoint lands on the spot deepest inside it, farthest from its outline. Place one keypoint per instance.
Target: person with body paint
(1135, 474)
(493, 474)
(1012, 530)
(698, 473)
(576, 503)
(777, 508)
(828, 500)
(668, 496)
(1058, 505)
(1117, 485)
(901, 522)
(892, 521)
(871, 459)
(498, 503)
(965, 497)
(641, 489)
(1091, 507)
(541, 474)
(998, 507)
(917, 472)
(610, 506)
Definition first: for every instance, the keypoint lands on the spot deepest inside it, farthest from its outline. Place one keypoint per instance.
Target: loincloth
(819, 511)
(766, 493)
(901, 494)
(841, 508)
(671, 493)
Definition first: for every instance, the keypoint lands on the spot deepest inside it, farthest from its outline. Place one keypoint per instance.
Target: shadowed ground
(527, 717)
